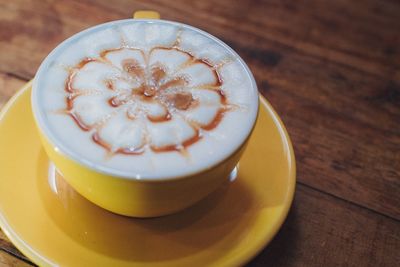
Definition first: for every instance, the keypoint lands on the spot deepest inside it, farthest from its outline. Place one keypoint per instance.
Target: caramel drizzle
(179, 147)
(158, 73)
(79, 122)
(110, 84)
(115, 102)
(132, 67)
(158, 119)
(128, 151)
(215, 122)
(192, 60)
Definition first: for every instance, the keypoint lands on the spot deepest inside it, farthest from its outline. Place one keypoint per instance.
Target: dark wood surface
(331, 69)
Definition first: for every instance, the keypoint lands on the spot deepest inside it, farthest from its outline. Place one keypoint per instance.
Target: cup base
(60, 187)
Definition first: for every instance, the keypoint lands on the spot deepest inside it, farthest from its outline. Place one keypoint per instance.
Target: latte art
(146, 99)
(148, 94)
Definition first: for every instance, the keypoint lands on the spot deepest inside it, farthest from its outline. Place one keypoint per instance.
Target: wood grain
(332, 71)
(7, 247)
(334, 78)
(322, 230)
(28, 41)
(329, 30)
(8, 260)
(8, 86)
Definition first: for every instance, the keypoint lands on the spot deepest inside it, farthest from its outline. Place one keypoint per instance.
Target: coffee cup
(144, 117)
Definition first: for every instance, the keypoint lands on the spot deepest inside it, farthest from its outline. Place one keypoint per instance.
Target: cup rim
(71, 155)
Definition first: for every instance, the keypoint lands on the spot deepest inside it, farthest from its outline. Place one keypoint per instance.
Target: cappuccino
(145, 99)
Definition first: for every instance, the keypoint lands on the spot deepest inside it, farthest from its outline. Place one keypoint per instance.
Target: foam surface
(145, 99)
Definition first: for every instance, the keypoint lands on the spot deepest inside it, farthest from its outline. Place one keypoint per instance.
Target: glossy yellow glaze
(59, 227)
(146, 14)
(139, 197)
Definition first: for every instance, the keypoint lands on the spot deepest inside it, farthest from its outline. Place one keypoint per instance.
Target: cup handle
(146, 14)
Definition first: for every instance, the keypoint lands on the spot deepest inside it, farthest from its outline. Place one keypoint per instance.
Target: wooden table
(332, 71)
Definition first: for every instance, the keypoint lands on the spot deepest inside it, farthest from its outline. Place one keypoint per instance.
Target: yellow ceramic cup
(138, 197)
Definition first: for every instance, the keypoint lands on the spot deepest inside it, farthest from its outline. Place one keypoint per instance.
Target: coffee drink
(145, 99)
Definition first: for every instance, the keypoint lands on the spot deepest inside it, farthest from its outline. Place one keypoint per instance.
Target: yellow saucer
(53, 225)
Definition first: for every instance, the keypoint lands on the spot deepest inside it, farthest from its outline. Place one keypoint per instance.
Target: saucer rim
(242, 258)
(20, 244)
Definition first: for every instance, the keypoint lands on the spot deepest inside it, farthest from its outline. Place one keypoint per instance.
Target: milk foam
(145, 99)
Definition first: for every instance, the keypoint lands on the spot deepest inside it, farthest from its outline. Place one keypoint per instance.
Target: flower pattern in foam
(132, 100)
